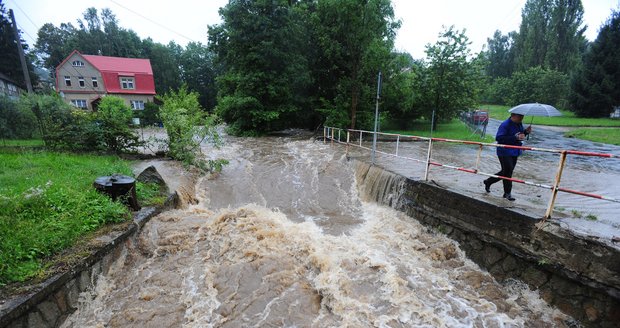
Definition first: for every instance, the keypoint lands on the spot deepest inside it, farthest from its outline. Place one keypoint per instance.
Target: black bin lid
(115, 180)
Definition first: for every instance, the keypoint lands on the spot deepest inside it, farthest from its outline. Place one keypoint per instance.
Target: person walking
(510, 132)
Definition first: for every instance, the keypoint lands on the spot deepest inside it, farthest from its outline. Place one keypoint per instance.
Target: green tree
(595, 88)
(398, 95)
(500, 55)
(199, 73)
(165, 64)
(538, 84)
(187, 125)
(53, 44)
(451, 80)
(114, 117)
(355, 38)
(550, 35)
(265, 72)
(531, 43)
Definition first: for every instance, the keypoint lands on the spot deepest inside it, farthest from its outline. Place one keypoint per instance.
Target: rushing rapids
(283, 237)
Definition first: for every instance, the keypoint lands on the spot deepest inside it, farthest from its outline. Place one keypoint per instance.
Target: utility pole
(20, 50)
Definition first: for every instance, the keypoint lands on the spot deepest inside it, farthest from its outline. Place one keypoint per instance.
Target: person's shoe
(509, 197)
(487, 186)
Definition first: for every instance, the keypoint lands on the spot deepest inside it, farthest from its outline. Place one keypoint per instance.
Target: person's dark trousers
(508, 164)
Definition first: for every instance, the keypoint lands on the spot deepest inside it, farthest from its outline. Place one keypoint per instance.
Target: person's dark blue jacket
(507, 135)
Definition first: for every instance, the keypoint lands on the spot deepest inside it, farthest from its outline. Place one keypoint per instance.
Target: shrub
(114, 117)
(187, 126)
(15, 123)
(150, 114)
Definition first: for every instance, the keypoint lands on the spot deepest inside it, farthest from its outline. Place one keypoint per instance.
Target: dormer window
(77, 63)
(127, 83)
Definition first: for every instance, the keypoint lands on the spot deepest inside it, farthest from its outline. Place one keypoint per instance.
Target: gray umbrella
(535, 109)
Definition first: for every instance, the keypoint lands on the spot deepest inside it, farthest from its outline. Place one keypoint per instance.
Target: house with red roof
(82, 80)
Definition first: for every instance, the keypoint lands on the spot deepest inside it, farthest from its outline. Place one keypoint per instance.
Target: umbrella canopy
(535, 109)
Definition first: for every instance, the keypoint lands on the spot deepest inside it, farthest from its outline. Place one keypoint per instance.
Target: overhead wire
(152, 21)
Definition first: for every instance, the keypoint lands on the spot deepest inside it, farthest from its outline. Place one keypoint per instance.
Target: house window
(68, 81)
(81, 82)
(95, 82)
(137, 104)
(127, 83)
(79, 103)
(78, 63)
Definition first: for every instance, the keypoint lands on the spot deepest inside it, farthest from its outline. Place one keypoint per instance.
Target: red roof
(113, 68)
(120, 65)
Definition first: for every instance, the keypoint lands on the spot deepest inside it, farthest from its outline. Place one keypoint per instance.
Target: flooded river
(283, 238)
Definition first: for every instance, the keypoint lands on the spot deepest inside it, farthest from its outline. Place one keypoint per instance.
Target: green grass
(604, 135)
(567, 119)
(21, 143)
(47, 202)
(452, 130)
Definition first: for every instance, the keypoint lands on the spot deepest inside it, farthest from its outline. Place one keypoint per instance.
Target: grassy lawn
(567, 119)
(603, 135)
(452, 130)
(47, 203)
(21, 143)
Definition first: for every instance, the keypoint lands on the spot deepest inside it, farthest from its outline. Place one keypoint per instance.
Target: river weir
(286, 236)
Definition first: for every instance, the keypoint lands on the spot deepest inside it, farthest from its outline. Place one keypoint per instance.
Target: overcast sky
(187, 20)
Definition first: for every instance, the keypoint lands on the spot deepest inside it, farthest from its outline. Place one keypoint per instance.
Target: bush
(150, 115)
(187, 126)
(114, 118)
(15, 123)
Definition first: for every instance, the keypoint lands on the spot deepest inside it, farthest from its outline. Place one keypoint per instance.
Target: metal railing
(337, 135)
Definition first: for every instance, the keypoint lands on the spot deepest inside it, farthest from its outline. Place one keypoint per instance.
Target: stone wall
(579, 276)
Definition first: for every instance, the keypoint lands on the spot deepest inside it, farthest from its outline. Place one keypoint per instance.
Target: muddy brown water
(284, 238)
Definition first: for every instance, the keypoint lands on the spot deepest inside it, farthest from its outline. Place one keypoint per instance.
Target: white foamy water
(282, 239)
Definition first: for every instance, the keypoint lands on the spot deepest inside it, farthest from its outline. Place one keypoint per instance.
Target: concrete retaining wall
(580, 276)
(50, 302)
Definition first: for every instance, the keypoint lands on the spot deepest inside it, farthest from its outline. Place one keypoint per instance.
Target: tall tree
(199, 72)
(596, 85)
(531, 44)
(165, 64)
(350, 32)
(550, 35)
(54, 44)
(500, 55)
(451, 80)
(566, 39)
(260, 46)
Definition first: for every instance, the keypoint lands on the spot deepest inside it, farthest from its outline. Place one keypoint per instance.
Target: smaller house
(9, 87)
(82, 80)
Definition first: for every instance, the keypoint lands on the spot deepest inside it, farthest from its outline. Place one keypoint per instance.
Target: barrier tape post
(478, 158)
(348, 139)
(361, 138)
(397, 143)
(428, 158)
(325, 134)
(556, 183)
